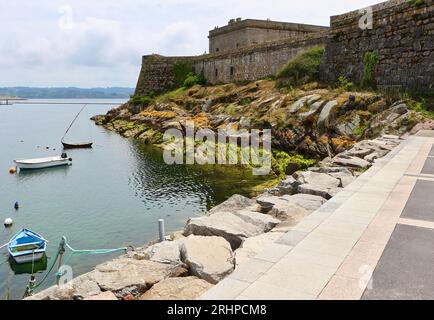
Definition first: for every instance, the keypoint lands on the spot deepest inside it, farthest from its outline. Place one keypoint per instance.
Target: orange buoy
(13, 170)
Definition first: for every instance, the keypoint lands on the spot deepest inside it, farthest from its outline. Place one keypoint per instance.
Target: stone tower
(243, 33)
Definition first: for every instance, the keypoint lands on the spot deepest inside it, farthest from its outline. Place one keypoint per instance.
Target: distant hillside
(67, 93)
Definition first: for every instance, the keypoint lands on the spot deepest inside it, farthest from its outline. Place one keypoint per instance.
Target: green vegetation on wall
(303, 68)
(194, 79)
(416, 2)
(181, 71)
(370, 60)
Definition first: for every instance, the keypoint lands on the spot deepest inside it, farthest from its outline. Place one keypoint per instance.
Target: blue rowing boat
(27, 246)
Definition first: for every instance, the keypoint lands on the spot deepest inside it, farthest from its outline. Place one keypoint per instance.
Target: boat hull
(22, 259)
(25, 165)
(77, 145)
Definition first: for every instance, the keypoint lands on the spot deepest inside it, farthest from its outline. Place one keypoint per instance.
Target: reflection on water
(28, 268)
(204, 186)
(27, 174)
(169, 185)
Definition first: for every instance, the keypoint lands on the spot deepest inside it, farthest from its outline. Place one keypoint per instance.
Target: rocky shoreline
(183, 267)
(313, 121)
(346, 131)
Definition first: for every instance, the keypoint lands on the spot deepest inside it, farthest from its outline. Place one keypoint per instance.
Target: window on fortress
(217, 50)
(216, 72)
(232, 71)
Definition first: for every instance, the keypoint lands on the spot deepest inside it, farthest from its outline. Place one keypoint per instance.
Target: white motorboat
(41, 163)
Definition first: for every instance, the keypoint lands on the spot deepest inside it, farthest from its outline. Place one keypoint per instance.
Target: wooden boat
(41, 163)
(27, 246)
(29, 268)
(86, 145)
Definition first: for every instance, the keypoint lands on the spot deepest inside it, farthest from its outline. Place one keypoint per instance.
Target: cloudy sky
(98, 43)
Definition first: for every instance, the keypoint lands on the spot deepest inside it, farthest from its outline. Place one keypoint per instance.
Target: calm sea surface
(112, 196)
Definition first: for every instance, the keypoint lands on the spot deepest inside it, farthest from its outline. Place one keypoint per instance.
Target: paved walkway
(374, 240)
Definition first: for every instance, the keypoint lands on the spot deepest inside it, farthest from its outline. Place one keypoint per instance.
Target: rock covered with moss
(310, 120)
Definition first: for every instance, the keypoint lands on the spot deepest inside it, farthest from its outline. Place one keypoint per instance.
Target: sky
(99, 43)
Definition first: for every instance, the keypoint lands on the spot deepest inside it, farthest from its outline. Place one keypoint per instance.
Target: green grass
(142, 100)
(170, 94)
(344, 84)
(422, 108)
(360, 129)
(246, 100)
(303, 68)
(231, 110)
(270, 77)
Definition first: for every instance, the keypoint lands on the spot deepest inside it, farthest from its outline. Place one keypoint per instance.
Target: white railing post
(161, 230)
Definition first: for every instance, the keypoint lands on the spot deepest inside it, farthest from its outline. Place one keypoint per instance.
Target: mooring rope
(1, 247)
(63, 244)
(49, 270)
(4, 245)
(96, 251)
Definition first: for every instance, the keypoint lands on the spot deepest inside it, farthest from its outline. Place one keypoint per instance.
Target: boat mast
(72, 123)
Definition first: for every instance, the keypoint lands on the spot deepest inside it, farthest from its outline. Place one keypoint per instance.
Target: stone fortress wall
(157, 73)
(247, 62)
(255, 62)
(402, 38)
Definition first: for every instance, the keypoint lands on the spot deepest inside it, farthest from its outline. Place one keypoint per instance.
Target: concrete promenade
(374, 240)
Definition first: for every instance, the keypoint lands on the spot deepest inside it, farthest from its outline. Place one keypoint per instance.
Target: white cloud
(100, 42)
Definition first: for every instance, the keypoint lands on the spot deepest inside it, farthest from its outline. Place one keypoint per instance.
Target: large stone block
(236, 202)
(209, 258)
(255, 245)
(321, 179)
(164, 252)
(223, 224)
(263, 221)
(188, 288)
(327, 115)
(124, 273)
(318, 190)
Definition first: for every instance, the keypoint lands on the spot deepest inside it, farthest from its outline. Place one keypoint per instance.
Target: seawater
(112, 196)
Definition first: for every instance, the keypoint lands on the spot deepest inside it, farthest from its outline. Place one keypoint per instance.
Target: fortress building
(243, 33)
(242, 50)
(400, 44)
